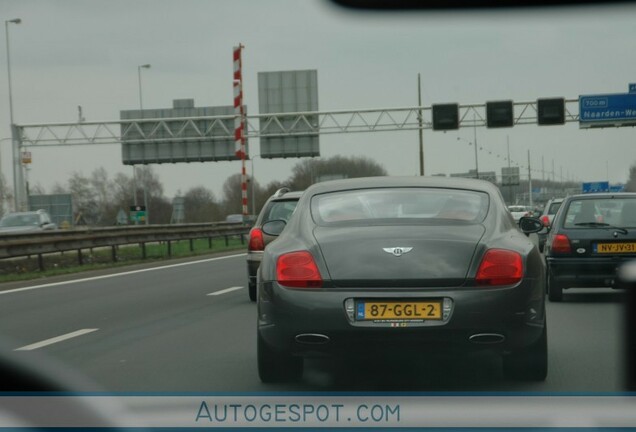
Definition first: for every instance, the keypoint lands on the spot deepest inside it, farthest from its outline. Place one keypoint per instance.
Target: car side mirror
(529, 225)
(274, 227)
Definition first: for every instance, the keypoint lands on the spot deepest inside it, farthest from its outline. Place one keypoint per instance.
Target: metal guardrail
(27, 244)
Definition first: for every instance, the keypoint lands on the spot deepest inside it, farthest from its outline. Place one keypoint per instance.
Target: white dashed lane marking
(55, 340)
(225, 291)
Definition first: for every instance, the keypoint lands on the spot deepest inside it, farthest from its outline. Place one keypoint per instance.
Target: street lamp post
(17, 168)
(141, 107)
(476, 159)
(475, 141)
(144, 66)
(6, 31)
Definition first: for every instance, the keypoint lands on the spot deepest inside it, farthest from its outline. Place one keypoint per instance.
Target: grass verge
(27, 268)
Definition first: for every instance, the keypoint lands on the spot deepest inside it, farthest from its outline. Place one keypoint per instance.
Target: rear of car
(401, 267)
(591, 236)
(549, 211)
(519, 211)
(279, 206)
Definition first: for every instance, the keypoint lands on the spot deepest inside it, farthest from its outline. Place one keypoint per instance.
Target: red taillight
(561, 244)
(545, 220)
(500, 267)
(298, 270)
(256, 242)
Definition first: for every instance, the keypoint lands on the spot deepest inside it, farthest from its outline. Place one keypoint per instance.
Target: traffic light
(551, 111)
(445, 116)
(499, 114)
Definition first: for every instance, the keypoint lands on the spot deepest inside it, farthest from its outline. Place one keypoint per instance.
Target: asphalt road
(190, 327)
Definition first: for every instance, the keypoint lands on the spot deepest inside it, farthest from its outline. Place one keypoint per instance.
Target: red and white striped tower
(239, 122)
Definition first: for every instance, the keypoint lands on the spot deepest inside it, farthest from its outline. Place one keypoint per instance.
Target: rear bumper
(515, 316)
(585, 272)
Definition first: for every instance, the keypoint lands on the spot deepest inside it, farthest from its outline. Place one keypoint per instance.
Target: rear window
(22, 219)
(400, 205)
(517, 209)
(620, 212)
(280, 210)
(554, 208)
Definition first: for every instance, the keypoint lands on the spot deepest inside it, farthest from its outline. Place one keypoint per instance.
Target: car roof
(287, 196)
(24, 213)
(602, 195)
(413, 181)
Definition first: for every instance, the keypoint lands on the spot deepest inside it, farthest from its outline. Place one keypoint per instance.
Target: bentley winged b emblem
(397, 251)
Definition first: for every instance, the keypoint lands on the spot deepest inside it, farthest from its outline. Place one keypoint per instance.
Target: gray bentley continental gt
(403, 265)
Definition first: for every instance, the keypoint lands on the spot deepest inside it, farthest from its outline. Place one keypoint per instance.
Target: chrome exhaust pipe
(487, 338)
(312, 338)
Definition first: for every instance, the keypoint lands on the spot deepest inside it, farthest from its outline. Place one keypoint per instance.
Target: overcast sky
(67, 53)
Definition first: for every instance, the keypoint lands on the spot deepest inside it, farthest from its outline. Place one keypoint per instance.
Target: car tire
(275, 366)
(251, 290)
(531, 363)
(555, 290)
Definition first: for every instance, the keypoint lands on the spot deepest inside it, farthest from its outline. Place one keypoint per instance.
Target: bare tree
(102, 190)
(6, 196)
(201, 206)
(304, 174)
(59, 189)
(84, 203)
(310, 171)
(232, 200)
(122, 190)
(36, 189)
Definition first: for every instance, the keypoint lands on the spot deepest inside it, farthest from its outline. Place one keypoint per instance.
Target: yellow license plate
(613, 248)
(394, 310)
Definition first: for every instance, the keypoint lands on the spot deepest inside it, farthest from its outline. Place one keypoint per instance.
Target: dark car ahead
(398, 265)
(590, 237)
(281, 205)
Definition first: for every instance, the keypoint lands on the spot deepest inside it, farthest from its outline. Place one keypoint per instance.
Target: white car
(519, 211)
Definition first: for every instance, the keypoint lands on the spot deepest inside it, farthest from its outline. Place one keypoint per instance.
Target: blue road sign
(617, 188)
(592, 187)
(607, 110)
(632, 87)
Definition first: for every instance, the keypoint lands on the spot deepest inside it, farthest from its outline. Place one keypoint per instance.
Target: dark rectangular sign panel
(180, 134)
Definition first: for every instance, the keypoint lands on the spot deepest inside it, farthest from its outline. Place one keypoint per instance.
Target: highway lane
(161, 331)
(155, 328)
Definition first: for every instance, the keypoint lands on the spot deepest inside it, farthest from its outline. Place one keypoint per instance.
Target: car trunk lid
(399, 256)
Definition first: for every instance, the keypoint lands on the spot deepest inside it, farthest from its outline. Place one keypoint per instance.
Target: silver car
(279, 206)
(17, 222)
